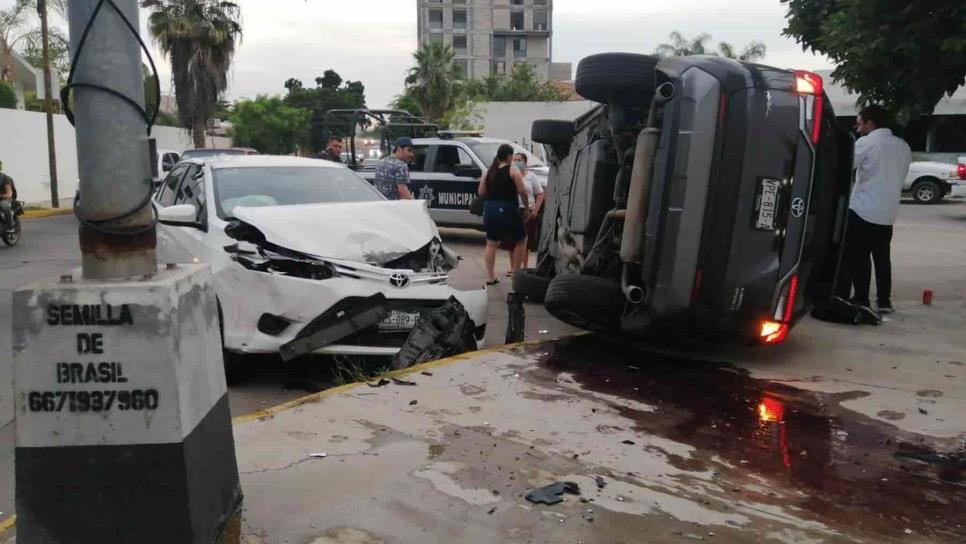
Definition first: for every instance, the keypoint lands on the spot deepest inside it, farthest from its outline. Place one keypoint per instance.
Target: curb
(269, 413)
(47, 212)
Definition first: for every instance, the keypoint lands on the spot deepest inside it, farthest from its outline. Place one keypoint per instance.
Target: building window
(459, 45)
(517, 2)
(499, 47)
(464, 66)
(459, 1)
(498, 68)
(538, 2)
(520, 48)
(516, 20)
(459, 19)
(436, 18)
(435, 38)
(540, 20)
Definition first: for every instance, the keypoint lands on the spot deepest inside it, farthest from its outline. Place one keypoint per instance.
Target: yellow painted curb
(47, 212)
(6, 524)
(269, 413)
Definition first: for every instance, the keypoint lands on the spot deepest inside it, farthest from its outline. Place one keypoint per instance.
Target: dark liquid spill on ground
(854, 471)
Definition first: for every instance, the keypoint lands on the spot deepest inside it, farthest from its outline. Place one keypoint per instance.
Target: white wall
(513, 120)
(23, 150)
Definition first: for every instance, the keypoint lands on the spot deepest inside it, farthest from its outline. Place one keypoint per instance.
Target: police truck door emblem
(399, 280)
(426, 193)
(798, 207)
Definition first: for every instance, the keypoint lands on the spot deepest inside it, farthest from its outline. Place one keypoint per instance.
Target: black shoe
(886, 307)
(867, 316)
(860, 302)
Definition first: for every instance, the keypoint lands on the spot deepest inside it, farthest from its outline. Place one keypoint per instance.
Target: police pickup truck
(446, 172)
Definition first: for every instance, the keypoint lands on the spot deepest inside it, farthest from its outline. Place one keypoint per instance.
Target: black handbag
(476, 207)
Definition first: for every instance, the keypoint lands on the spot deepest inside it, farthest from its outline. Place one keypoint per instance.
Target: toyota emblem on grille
(798, 207)
(399, 280)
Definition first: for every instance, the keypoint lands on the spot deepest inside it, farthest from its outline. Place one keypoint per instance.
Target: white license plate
(767, 204)
(399, 321)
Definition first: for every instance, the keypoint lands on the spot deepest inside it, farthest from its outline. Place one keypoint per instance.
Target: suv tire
(617, 78)
(531, 285)
(927, 191)
(587, 302)
(552, 132)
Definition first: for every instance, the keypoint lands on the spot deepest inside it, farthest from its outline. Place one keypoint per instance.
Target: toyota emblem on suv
(798, 207)
(399, 280)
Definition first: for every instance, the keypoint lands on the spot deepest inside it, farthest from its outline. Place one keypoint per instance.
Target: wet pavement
(841, 466)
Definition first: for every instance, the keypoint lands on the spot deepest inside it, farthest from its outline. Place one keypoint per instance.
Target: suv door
(453, 185)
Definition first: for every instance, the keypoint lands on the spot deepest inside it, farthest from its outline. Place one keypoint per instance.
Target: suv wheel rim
(925, 193)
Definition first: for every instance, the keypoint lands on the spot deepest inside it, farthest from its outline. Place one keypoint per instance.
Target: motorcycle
(12, 237)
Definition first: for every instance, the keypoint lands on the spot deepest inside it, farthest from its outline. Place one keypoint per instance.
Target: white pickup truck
(930, 181)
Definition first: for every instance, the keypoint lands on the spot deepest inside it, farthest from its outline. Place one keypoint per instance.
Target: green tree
(13, 29)
(269, 125)
(903, 55)
(521, 86)
(199, 37)
(435, 81)
(330, 93)
(8, 98)
(680, 46)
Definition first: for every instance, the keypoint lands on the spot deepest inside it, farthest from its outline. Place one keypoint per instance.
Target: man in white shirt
(881, 163)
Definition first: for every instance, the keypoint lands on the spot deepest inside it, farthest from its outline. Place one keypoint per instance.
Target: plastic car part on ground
(553, 494)
(446, 332)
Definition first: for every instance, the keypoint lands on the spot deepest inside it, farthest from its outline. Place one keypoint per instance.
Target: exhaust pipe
(642, 173)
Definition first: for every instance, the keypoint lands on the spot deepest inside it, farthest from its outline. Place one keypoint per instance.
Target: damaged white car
(307, 257)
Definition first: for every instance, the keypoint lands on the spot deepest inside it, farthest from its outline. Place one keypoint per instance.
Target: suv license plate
(766, 203)
(399, 321)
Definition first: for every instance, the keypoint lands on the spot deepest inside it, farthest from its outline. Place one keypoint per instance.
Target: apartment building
(489, 37)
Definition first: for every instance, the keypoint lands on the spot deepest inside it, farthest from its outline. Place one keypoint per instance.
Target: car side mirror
(184, 215)
(467, 171)
(166, 167)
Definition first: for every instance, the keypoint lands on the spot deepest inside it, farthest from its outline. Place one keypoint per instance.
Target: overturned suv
(703, 195)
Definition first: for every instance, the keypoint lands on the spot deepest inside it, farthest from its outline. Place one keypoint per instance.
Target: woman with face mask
(535, 199)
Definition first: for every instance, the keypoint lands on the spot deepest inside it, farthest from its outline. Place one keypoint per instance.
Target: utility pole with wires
(123, 429)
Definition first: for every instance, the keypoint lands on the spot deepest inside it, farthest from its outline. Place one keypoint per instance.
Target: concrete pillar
(123, 426)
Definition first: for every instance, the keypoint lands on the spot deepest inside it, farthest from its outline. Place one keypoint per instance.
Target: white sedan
(307, 257)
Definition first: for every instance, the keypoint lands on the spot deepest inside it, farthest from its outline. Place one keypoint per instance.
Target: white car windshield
(285, 185)
(486, 151)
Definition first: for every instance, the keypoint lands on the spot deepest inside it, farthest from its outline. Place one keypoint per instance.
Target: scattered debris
(490, 512)
(397, 381)
(543, 331)
(426, 373)
(381, 383)
(551, 494)
(620, 499)
(413, 402)
(601, 484)
(629, 442)
(908, 531)
(923, 412)
(632, 367)
(445, 332)
(318, 455)
(589, 515)
(692, 536)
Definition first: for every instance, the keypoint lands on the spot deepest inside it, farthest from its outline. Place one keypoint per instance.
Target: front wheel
(927, 192)
(12, 237)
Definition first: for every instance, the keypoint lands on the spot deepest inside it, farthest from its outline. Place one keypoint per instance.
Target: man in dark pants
(882, 162)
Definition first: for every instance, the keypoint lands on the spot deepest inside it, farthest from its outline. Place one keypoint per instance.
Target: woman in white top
(519, 254)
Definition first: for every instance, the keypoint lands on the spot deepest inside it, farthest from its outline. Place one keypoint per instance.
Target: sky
(372, 40)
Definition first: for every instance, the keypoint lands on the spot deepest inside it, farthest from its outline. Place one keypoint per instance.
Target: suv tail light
(810, 85)
(961, 171)
(773, 332)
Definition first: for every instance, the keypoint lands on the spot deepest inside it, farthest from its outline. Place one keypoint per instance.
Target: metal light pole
(112, 145)
(48, 103)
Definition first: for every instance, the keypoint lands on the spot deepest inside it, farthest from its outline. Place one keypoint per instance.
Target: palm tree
(13, 29)
(199, 37)
(435, 80)
(682, 47)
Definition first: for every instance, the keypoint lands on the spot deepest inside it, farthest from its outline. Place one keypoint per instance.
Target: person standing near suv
(8, 194)
(392, 174)
(503, 188)
(882, 163)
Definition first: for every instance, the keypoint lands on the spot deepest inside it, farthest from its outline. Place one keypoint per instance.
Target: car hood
(365, 232)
